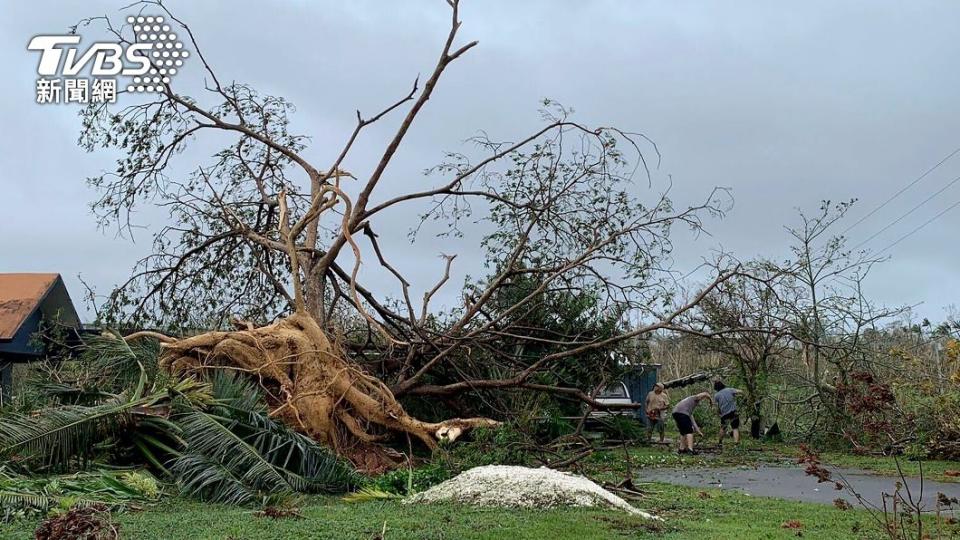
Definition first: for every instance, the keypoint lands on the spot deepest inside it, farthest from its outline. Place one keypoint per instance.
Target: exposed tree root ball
(313, 387)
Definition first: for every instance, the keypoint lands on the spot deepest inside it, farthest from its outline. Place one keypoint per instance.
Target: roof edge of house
(57, 278)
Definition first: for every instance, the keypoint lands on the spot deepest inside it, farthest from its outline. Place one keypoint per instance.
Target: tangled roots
(313, 387)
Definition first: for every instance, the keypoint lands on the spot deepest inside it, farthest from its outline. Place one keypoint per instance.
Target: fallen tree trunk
(687, 380)
(313, 387)
(695, 378)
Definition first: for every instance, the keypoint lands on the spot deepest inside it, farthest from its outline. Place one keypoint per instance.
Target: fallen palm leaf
(371, 494)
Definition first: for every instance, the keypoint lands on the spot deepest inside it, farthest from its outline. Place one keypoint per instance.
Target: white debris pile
(523, 487)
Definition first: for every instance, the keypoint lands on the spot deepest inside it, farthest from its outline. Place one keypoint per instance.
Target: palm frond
(239, 442)
(118, 365)
(59, 434)
(72, 394)
(11, 501)
(210, 436)
(235, 394)
(204, 478)
(371, 494)
(307, 466)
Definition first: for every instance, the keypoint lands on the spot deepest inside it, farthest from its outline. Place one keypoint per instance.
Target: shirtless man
(657, 403)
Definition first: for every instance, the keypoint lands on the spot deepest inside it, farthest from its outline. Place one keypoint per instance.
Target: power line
(912, 210)
(897, 194)
(911, 233)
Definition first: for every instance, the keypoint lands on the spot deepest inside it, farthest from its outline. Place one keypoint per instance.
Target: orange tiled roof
(20, 294)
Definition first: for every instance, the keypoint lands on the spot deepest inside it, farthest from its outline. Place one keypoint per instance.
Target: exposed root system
(312, 386)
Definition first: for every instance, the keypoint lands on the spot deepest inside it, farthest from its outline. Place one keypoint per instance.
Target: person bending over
(683, 416)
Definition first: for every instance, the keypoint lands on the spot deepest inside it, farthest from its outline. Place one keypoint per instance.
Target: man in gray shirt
(726, 399)
(686, 425)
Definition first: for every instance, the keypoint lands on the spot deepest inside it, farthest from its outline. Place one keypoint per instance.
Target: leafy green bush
(934, 420)
(505, 445)
(406, 481)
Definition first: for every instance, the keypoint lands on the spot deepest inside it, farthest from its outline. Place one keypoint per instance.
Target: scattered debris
(276, 512)
(523, 487)
(842, 504)
(382, 535)
(91, 522)
(626, 489)
(794, 525)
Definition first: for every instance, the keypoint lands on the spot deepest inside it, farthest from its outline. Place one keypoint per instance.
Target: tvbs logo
(150, 59)
(108, 58)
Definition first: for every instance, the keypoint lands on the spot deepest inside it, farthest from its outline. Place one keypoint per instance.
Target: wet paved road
(792, 483)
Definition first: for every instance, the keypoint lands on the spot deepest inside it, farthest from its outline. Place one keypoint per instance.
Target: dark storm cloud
(786, 105)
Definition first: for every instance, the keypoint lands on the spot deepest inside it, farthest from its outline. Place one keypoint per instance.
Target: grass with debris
(688, 513)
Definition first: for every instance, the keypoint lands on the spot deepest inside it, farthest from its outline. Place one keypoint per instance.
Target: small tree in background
(746, 320)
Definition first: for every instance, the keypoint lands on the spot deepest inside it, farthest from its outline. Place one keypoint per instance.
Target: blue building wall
(6, 381)
(640, 382)
(20, 347)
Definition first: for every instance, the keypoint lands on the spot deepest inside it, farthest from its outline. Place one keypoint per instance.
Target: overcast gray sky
(786, 104)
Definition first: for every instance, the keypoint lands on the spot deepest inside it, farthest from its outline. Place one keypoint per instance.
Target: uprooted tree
(265, 246)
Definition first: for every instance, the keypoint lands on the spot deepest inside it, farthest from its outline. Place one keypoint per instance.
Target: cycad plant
(214, 438)
(236, 453)
(67, 436)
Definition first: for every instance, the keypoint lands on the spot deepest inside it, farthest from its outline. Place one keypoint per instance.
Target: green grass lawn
(688, 513)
